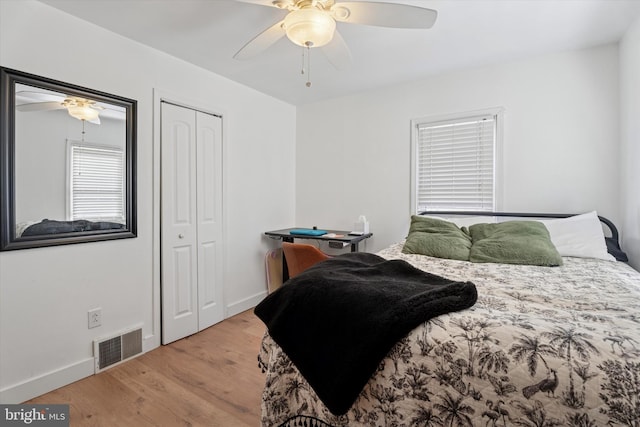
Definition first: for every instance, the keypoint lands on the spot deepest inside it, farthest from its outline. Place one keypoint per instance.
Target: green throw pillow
(513, 242)
(437, 238)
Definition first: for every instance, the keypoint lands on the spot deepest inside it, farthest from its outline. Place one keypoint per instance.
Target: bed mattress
(542, 346)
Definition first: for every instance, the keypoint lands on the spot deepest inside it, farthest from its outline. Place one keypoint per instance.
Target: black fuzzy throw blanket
(337, 320)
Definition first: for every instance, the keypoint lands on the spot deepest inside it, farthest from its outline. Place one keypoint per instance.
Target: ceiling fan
(312, 23)
(77, 107)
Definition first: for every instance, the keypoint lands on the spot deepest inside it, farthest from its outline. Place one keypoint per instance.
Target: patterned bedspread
(543, 346)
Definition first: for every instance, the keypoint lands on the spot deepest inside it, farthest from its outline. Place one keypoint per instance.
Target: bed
(49, 226)
(540, 345)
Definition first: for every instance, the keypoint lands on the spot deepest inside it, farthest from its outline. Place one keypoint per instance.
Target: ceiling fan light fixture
(309, 27)
(83, 112)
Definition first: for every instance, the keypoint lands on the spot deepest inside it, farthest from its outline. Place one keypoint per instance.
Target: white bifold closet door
(191, 216)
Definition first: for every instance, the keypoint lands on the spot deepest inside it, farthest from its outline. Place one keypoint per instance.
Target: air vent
(114, 350)
(109, 352)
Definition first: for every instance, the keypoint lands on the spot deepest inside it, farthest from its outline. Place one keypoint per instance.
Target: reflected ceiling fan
(312, 23)
(77, 107)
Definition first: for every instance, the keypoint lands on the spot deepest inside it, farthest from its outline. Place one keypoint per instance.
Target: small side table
(286, 236)
(339, 236)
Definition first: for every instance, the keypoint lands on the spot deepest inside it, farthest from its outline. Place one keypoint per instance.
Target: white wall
(560, 151)
(630, 152)
(45, 293)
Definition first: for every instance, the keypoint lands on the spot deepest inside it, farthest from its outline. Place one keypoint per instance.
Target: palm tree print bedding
(542, 347)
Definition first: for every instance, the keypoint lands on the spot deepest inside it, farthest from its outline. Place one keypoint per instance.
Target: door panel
(183, 296)
(182, 171)
(209, 202)
(209, 300)
(179, 224)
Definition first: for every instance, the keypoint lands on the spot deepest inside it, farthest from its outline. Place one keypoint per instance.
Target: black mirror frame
(8, 241)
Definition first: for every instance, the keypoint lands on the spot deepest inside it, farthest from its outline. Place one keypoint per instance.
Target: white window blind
(96, 183)
(455, 164)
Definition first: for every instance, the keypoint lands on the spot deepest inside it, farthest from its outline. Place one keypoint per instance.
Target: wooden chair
(300, 256)
(273, 264)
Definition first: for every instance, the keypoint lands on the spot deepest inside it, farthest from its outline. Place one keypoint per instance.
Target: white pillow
(579, 236)
(20, 227)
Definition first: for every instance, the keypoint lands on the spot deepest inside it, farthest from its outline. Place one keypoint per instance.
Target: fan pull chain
(308, 50)
(80, 149)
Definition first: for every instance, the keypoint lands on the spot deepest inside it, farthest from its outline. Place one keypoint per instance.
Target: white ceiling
(467, 33)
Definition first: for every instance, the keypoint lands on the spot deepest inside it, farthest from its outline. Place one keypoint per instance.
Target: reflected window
(96, 187)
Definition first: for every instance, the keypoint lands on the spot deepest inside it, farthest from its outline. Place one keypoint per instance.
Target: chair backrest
(273, 264)
(300, 256)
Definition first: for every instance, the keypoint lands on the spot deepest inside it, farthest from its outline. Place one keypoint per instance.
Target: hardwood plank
(208, 379)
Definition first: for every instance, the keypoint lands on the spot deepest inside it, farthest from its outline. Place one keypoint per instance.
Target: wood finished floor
(208, 379)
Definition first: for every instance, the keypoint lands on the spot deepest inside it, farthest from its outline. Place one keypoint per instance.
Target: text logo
(34, 415)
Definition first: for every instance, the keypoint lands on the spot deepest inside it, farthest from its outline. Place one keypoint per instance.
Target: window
(96, 184)
(454, 162)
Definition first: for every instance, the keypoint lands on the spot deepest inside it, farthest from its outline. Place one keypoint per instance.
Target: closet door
(191, 230)
(209, 218)
(179, 227)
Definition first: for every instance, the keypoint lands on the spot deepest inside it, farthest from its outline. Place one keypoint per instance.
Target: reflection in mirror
(68, 168)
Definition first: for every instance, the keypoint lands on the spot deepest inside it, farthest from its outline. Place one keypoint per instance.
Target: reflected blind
(97, 183)
(455, 164)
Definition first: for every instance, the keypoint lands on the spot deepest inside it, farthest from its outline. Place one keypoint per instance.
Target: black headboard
(613, 241)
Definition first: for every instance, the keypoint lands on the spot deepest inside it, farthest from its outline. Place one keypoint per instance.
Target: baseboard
(38, 386)
(245, 304)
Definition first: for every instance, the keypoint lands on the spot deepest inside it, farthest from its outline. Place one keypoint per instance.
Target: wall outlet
(95, 318)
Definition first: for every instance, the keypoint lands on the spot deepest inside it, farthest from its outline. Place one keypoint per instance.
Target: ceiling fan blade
(28, 97)
(280, 4)
(39, 106)
(95, 121)
(261, 42)
(258, 2)
(384, 14)
(337, 52)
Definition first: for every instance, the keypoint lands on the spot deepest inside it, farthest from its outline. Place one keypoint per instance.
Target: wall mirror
(67, 163)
